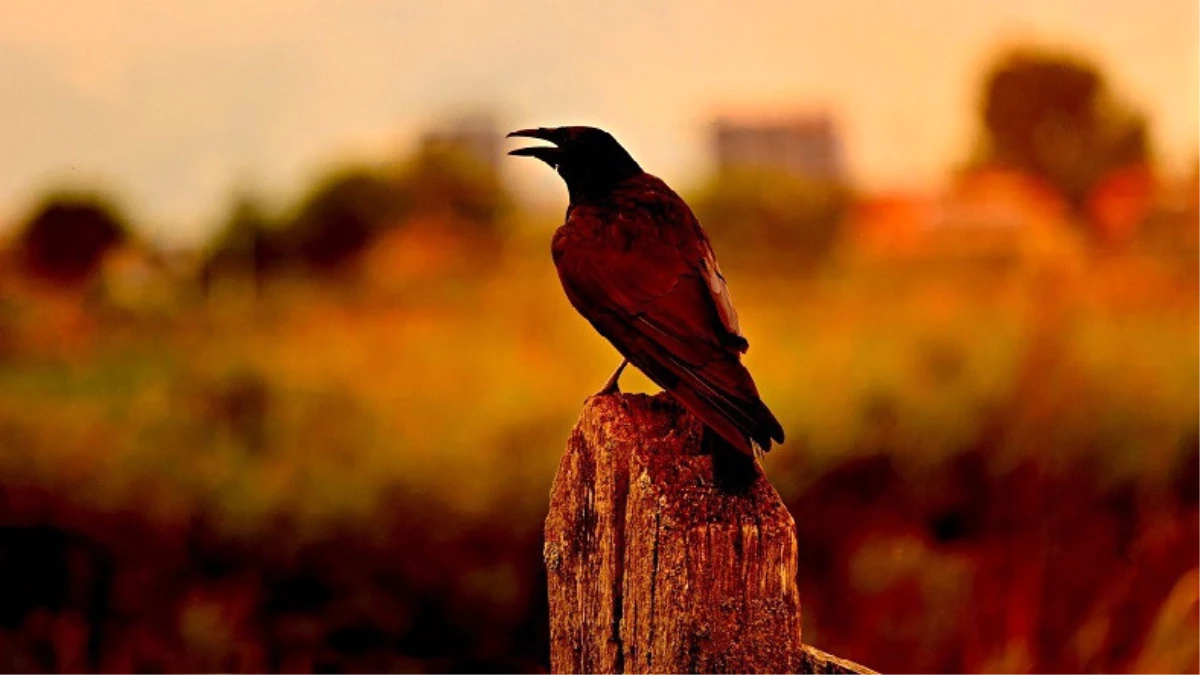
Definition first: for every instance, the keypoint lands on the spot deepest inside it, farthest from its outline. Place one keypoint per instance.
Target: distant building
(801, 144)
(477, 136)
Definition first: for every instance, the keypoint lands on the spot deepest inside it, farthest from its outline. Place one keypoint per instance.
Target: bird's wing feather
(664, 305)
(655, 283)
(710, 271)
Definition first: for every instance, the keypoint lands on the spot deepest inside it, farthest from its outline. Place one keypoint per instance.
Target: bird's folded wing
(664, 318)
(676, 287)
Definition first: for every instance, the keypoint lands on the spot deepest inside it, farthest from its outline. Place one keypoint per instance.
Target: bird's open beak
(548, 154)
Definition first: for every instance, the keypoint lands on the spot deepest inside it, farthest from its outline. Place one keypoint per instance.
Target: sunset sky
(169, 106)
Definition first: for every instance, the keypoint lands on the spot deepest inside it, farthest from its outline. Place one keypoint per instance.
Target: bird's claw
(613, 385)
(608, 390)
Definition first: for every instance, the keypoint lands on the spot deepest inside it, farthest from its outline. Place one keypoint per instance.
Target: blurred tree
(341, 216)
(1052, 115)
(349, 208)
(66, 237)
(248, 242)
(761, 211)
(444, 181)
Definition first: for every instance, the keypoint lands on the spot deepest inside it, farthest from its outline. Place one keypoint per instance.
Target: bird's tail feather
(743, 420)
(748, 413)
(734, 471)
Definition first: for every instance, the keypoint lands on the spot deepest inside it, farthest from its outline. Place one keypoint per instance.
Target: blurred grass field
(416, 430)
(465, 387)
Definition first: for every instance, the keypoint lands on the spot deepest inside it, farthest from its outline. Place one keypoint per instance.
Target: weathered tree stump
(652, 568)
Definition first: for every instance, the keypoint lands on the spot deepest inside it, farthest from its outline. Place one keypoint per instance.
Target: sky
(172, 106)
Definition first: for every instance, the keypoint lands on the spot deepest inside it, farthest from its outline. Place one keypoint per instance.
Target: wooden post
(651, 568)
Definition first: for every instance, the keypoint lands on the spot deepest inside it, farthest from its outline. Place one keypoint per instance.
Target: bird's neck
(593, 189)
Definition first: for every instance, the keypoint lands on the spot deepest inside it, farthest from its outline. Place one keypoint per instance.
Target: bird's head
(590, 161)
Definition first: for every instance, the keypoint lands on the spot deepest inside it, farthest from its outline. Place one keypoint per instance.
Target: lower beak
(545, 153)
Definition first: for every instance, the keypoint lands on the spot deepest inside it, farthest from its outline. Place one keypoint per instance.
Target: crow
(636, 264)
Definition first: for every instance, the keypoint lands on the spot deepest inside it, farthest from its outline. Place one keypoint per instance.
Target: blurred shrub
(441, 180)
(340, 217)
(347, 210)
(760, 211)
(238, 406)
(1053, 115)
(1171, 645)
(249, 240)
(66, 237)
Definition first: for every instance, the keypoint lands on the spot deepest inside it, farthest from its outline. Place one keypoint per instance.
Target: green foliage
(762, 211)
(1053, 115)
(67, 235)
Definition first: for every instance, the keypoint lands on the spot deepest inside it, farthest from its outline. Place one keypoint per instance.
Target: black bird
(635, 263)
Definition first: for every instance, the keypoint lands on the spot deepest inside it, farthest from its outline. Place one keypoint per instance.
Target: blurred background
(286, 371)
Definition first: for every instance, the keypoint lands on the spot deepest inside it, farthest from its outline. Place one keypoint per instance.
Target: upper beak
(548, 154)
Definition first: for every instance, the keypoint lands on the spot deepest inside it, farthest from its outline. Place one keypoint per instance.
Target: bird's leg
(611, 387)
